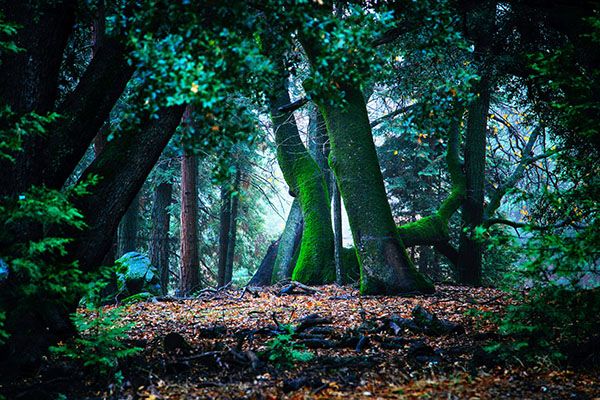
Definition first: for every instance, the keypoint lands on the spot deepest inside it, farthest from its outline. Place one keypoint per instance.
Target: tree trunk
(123, 167)
(235, 201)
(262, 276)
(159, 235)
(337, 231)
(385, 265)
(307, 184)
(29, 78)
(470, 249)
(288, 244)
(128, 228)
(224, 232)
(189, 267)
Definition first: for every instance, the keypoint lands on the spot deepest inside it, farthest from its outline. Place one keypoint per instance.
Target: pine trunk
(189, 267)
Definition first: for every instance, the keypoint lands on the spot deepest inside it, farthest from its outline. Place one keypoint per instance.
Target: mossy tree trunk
(315, 260)
(384, 264)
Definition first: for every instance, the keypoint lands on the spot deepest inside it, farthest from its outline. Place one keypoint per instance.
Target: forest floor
(363, 347)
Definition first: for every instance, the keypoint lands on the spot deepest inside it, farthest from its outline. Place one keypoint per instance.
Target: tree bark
(84, 112)
(235, 201)
(337, 231)
(307, 184)
(289, 243)
(29, 78)
(385, 265)
(189, 265)
(123, 167)
(224, 232)
(160, 245)
(128, 228)
(262, 276)
(470, 249)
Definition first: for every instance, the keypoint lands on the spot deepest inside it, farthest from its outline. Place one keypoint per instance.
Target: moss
(384, 264)
(433, 229)
(315, 260)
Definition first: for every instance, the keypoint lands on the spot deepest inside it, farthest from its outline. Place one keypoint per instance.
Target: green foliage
(550, 322)
(99, 344)
(283, 349)
(8, 29)
(560, 313)
(15, 126)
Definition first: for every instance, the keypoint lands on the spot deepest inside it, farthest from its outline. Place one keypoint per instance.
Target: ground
(364, 347)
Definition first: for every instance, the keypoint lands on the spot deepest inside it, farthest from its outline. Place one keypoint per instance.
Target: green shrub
(99, 344)
(283, 349)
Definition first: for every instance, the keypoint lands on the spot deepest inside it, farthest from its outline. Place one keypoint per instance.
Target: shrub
(284, 351)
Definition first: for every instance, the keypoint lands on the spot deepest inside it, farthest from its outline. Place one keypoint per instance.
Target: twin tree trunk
(306, 182)
(189, 267)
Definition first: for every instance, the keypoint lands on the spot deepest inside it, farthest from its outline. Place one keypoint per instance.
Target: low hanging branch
(293, 106)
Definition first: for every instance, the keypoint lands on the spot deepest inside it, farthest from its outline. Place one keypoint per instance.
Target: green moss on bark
(384, 264)
(433, 230)
(306, 182)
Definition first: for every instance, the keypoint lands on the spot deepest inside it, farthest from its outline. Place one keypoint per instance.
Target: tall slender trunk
(159, 246)
(189, 267)
(235, 201)
(337, 230)
(470, 249)
(128, 228)
(224, 232)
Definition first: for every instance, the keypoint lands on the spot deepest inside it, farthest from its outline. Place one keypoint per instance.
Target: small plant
(99, 344)
(284, 351)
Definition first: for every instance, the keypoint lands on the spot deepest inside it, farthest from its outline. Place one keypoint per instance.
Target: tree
(189, 264)
(233, 225)
(159, 246)
(224, 232)
(127, 236)
(306, 182)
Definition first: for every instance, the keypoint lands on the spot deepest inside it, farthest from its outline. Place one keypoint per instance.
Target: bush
(284, 351)
(99, 344)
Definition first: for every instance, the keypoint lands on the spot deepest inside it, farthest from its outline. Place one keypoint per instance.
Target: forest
(299, 199)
